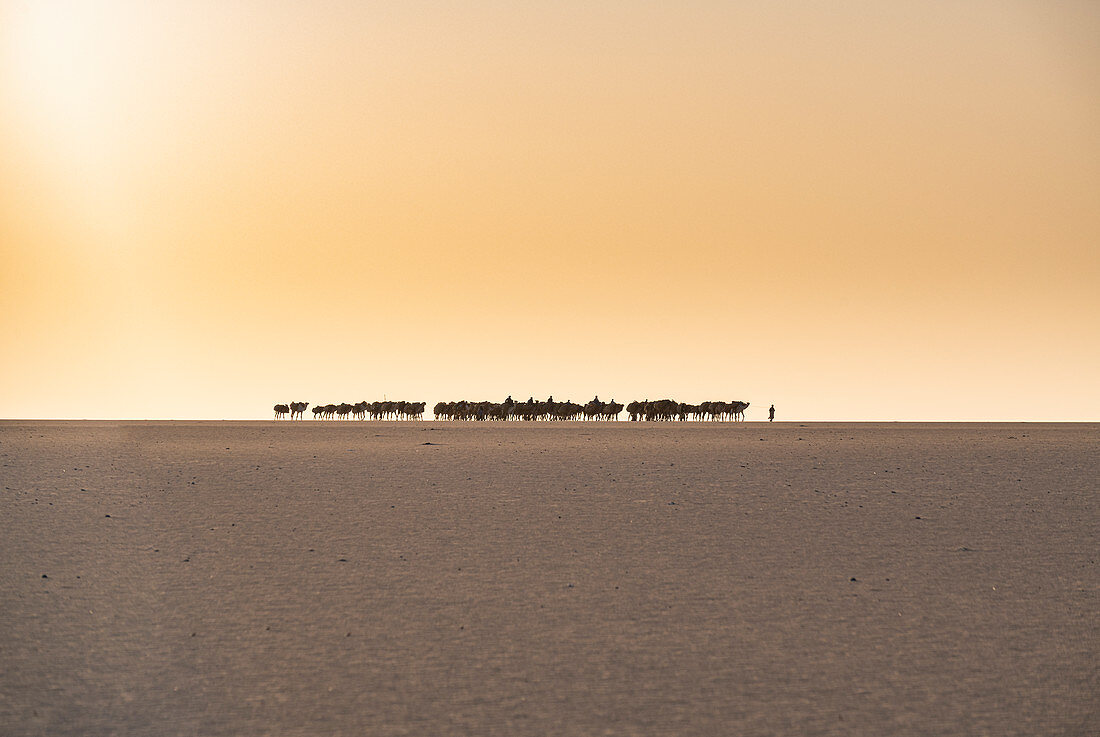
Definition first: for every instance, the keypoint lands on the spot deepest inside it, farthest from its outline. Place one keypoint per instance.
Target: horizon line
(538, 422)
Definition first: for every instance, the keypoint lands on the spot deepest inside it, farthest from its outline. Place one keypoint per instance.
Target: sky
(852, 210)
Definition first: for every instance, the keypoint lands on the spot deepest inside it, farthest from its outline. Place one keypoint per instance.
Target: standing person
(771, 413)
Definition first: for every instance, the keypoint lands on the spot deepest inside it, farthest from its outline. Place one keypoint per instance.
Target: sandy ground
(565, 579)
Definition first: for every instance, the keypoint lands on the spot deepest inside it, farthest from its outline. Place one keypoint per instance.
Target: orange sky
(857, 211)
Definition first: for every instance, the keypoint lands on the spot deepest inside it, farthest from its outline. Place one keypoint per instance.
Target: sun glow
(73, 98)
(61, 73)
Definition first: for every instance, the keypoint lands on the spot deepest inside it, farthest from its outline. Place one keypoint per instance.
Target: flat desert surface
(426, 578)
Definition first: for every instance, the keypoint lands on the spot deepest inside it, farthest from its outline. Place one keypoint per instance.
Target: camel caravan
(370, 410)
(666, 410)
(357, 411)
(669, 409)
(661, 410)
(530, 410)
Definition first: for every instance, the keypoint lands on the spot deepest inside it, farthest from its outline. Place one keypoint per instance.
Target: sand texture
(428, 578)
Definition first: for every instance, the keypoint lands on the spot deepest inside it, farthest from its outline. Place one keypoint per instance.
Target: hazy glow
(862, 210)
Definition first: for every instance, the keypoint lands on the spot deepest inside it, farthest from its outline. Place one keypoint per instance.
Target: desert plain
(428, 578)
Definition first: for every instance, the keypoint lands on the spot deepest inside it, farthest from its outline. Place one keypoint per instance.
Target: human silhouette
(771, 413)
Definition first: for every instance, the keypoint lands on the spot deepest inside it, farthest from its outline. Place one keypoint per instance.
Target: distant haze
(857, 210)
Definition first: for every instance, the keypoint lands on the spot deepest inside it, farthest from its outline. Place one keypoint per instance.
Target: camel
(281, 411)
(594, 409)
